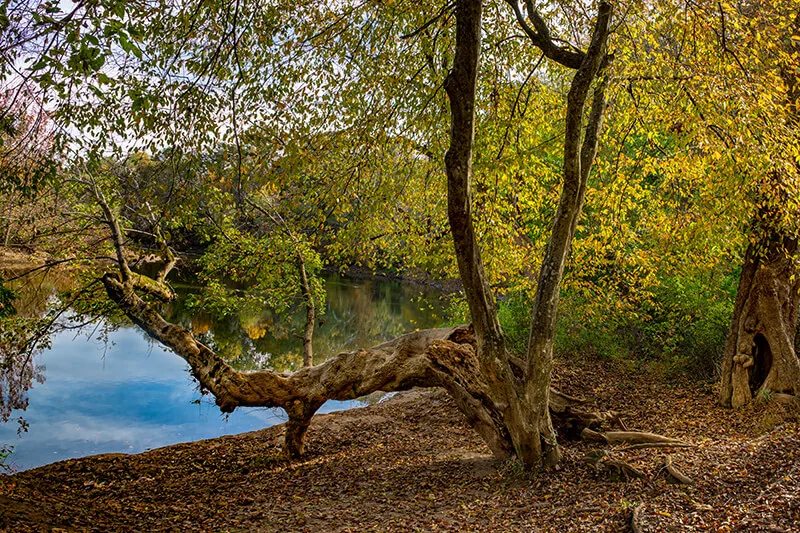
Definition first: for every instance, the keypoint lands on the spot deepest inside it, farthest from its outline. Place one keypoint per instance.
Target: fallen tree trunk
(443, 357)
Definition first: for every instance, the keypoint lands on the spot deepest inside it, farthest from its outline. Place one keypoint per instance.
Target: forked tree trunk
(506, 401)
(521, 397)
(760, 350)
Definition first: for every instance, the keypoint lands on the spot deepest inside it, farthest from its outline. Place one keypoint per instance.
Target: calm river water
(125, 393)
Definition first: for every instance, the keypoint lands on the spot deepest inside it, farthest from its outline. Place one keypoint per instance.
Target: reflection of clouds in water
(91, 430)
(132, 399)
(131, 356)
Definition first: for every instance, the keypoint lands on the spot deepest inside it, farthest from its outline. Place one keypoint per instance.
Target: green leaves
(241, 271)
(86, 59)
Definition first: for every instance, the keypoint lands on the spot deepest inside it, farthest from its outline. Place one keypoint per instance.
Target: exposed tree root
(656, 445)
(631, 437)
(636, 519)
(786, 399)
(676, 474)
(602, 461)
(616, 469)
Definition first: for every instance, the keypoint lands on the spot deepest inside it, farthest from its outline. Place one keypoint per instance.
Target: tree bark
(760, 352)
(460, 85)
(533, 418)
(443, 357)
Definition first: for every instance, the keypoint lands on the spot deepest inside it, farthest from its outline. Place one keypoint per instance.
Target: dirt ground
(412, 464)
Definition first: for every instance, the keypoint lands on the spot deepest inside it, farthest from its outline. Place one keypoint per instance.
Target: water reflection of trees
(358, 314)
(23, 335)
(44, 303)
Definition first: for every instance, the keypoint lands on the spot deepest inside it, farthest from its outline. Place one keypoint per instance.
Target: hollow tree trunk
(760, 350)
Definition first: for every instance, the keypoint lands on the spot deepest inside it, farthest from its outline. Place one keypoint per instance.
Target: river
(119, 391)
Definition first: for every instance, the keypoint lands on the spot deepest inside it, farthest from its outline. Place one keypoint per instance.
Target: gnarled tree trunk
(760, 350)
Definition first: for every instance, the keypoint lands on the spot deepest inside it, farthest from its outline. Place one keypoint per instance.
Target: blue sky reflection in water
(131, 395)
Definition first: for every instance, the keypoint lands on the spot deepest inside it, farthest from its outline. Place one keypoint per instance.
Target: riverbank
(411, 463)
(421, 278)
(14, 260)
(19, 260)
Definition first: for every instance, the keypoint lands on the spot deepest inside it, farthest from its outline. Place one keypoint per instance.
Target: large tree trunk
(760, 350)
(443, 357)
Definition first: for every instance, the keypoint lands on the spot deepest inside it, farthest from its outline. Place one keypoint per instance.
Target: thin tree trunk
(533, 417)
(308, 298)
(9, 216)
(7, 236)
(460, 85)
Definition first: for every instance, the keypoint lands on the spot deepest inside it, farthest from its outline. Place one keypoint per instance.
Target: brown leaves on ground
(411, 464)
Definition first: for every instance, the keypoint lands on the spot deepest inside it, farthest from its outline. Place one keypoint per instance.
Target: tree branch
(540, 35)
